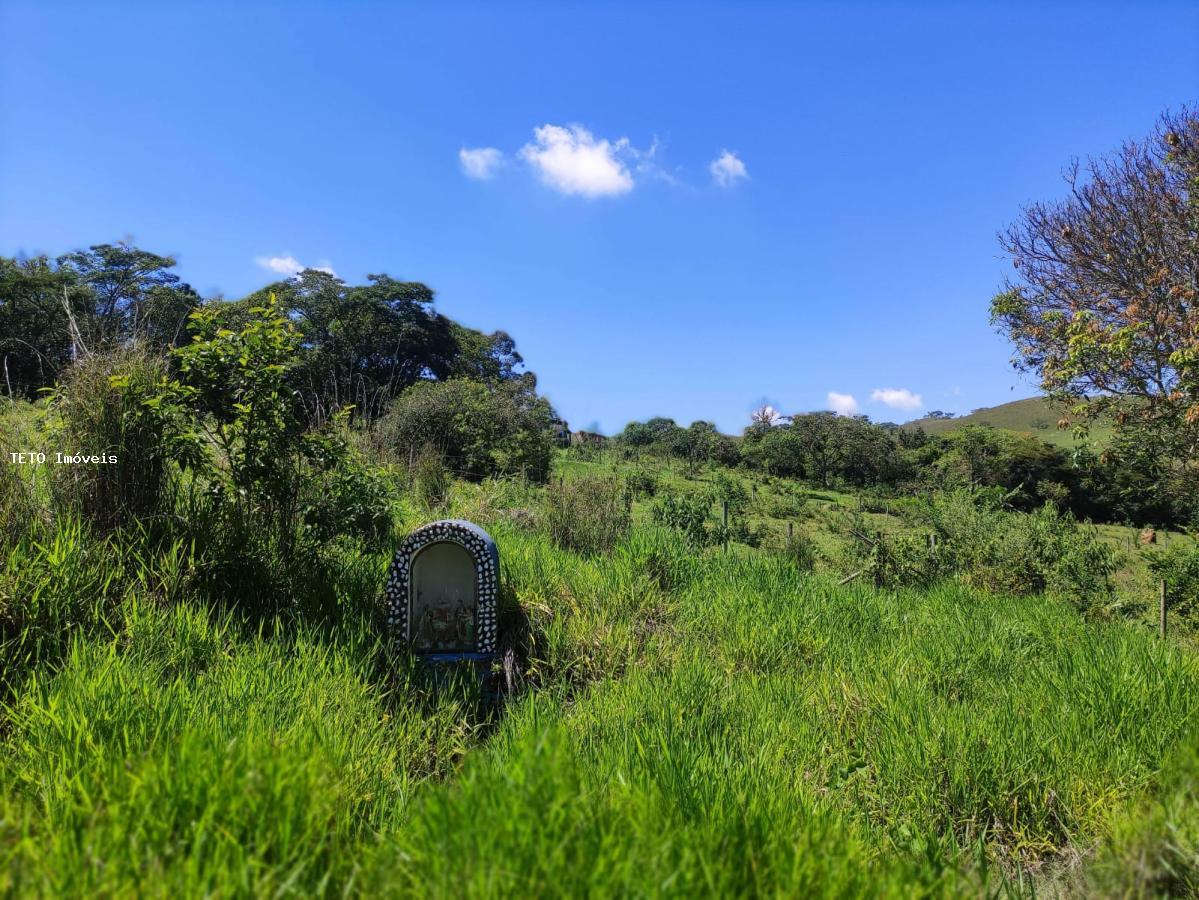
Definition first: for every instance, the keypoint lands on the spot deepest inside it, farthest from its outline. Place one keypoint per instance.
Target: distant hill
(1035, 415)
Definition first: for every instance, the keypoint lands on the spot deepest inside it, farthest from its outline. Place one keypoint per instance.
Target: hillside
(1035, 415)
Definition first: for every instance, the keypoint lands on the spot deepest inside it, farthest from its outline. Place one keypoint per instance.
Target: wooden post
(1162, 592)
(753, 492)
(790, 531)
(724, 521)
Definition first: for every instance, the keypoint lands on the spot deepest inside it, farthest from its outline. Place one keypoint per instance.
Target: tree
(362, 344)
(1025, 466)
(777, 450)
(658, 434)
(1103, 305)
(478, 429)
(132, 294)
(35, 344)
(484, 357)
(695, 443)
(816, 436)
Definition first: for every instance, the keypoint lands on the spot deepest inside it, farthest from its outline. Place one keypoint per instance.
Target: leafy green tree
(362, 345)
(131, 293)
(778, 451)
(1029, 469)
(817, 440)
(484, 357)
(478, 429)
(866, 454)
(659, 435)
(235, 385)
(35, 341)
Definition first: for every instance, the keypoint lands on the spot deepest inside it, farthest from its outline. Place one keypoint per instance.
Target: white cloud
(897, 398)
(283, 265)
(573, 161)
(290, 266)
(842, 404)
(480, 163)
(727, 169)
(647, 165)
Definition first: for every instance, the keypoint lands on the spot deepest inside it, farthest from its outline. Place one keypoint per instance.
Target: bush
(787, 506)
(800, 550)
(743, 533)
(106, 406)
(233, 384)
(479, 429)
(1021, 553)
(730, 490)
(1178, 567)
(345, 496)
(643, 484)
(589, 515)
(893, 561)
(687, 513)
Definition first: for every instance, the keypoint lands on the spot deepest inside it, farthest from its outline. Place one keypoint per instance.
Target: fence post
(790, 531)
(724, 521)
(1162, 592)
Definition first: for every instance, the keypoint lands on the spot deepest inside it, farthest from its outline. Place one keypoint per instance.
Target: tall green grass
(185, 758)
(692, 723)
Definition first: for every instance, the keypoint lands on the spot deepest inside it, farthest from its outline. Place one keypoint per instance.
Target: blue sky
(676, 209)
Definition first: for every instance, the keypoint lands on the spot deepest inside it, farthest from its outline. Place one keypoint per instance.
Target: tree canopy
(1103, 302)
(360, 344)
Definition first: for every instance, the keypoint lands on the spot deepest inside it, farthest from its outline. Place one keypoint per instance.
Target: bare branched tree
(1103, 303)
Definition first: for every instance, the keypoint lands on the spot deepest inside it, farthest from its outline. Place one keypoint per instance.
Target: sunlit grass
(690, 723)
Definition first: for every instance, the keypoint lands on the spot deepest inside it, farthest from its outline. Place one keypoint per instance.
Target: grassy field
(823, 515)
(690, 723)
(1034, 415)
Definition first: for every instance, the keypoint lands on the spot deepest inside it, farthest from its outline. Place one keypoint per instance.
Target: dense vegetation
(823, 657)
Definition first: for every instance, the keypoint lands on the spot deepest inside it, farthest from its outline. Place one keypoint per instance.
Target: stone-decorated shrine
(442, 590)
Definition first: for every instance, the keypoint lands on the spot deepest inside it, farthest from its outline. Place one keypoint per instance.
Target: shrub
(787, 506)
(479, 429)
(590, 514)
(272, 496)
(1178, 567)
(730, 490)
(106, 406)
(893, 561)
(1021, 553)
(800, 550)
(234, 385)
(345, 496)
(742, 532)
(687, 513)
(643, 484)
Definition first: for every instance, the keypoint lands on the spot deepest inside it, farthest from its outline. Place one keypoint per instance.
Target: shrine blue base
(457, 657)
(443, 663)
